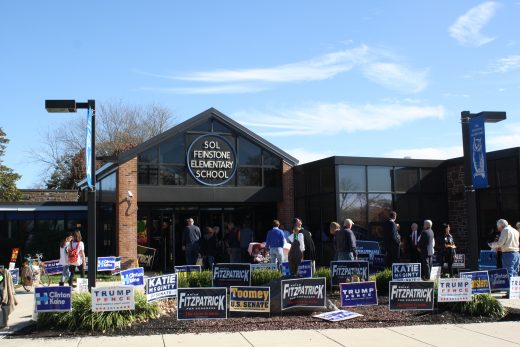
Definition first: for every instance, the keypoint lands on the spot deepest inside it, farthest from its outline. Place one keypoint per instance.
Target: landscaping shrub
(195, 279)
(480, 305)
(323, 272)
(264, 277)
(81, 316)
(382, 279)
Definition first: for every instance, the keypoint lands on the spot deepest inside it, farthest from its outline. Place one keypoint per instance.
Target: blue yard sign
(477, 150)
(479, 281)
(88, 149)
(133, 277)
(52, 299)
(106, 263)
(305, 270)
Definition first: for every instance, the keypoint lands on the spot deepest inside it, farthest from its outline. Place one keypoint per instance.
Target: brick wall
(49, 195)
(457, 208)
(126, 214)
(285, 208)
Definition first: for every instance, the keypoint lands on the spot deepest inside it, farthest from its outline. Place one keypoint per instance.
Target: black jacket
(391, 234)
(345, 241)
(310, 249)
(426, 242)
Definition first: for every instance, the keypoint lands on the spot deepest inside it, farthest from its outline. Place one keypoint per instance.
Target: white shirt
(72, 245)
(508, 240)
(300, 239)
(64, 260)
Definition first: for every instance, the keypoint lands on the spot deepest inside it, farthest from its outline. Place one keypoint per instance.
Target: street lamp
(465, 118)
(68, 106)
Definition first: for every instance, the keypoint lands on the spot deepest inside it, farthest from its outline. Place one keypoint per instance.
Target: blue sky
(316, 78)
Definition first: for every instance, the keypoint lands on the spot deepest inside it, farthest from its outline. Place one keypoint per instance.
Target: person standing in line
(309, 249)
(232, 239)
(208, 248)
(392, 239)
(412, 244)
(297, 235)
(448, 252)
(246, 237)
(190, 241)
(426, 245)
(65, 273)
(76, 256)
(333, 230)
(509, 243)
(274, 243)
(345, 242)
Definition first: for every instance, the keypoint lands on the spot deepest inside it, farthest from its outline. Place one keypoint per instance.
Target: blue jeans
(345, 256)
(276, 255)
(65, 274)
(511, 262)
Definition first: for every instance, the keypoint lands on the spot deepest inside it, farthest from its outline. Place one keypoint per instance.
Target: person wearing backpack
(76, 256)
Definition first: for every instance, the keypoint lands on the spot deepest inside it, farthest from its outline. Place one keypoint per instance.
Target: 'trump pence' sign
(120, 298)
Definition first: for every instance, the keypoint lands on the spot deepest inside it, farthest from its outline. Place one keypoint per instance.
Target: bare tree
(119, 127)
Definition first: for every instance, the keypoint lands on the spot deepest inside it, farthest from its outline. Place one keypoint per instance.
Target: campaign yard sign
(370, 248)
(250, 299)
(454, 290)
(459, 261)
(145, 256)
(118, 298)
(406, 272)
(358, 294)
(305, 270)
(52, 299)
(411, 296)
(161, 287)
(52, 267)
(15, 274)
(341, 271)
(264, 266)
(133, 277)
(187, 268)
(514, 288)
(226, 275)
(82, 285)
(201, 303)
(479, 281)
(435, 273)
(106, 263)
(498, 279)
(338, 315)
(303, 292)
(379, 262)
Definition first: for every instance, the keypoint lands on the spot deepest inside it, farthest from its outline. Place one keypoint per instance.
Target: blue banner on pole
(88, 149)
(52, 299)
(477, 150)
(133, 277)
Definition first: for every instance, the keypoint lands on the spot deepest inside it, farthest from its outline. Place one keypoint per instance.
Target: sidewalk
(475, 335)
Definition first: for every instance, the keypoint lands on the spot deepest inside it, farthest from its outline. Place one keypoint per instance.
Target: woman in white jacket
(65, 274)
(297, 235)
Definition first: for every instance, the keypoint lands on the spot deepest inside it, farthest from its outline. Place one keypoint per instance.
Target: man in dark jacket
(190, 241)
(345, 242)
(392, 240)
(310, 249)
(425, 246)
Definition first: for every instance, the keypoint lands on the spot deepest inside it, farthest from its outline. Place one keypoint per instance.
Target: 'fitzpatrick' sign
(211, 160)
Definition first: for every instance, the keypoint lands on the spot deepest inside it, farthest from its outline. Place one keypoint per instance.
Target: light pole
(68, 106)
(469, 189)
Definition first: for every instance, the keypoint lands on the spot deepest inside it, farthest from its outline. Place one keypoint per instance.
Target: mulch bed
(373, 317)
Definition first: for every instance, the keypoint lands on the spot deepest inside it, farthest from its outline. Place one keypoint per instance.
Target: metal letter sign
(477, 150)
(88, 149)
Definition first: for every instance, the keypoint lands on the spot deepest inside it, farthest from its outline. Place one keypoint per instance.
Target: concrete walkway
(475, 335)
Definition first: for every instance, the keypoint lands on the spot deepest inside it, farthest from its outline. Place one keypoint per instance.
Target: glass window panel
(433, 181)
(249, 176)
(353, 206)
(352, 178)
(149, 156)
(272, 177)
(379, 179)
(249, 153)
(434, 207)
(172, 151)
(378, 206)
(218, 127)
(407, 206)
(148, 174)
(327, 179)
(172, 175)
(406, 179)
(271, 160)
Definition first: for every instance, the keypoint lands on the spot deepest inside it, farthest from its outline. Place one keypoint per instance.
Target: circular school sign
(211, 160)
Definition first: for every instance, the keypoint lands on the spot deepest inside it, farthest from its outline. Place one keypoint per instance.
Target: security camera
(130, 195)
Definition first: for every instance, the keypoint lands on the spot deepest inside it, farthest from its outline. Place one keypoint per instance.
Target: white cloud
(378, 65)
(306, 156)
(455, 95)
(506, 64)
(427, 153)
(466, 29)
(335, 117)
(396, 77)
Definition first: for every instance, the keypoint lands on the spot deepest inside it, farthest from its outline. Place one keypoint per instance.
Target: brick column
(126, 214)
(457, 207)
(285, 208)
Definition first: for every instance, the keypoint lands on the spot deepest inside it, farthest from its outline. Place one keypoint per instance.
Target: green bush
(382, 279)
(480, 305)
(323, 272)
(81, 316)
(195, 279)
(264, 277)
